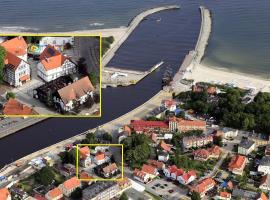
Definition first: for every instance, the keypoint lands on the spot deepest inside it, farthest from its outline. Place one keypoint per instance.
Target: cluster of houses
(53, 64)
(98, 160)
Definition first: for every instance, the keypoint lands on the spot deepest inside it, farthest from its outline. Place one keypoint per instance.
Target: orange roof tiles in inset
(72, 183)
(56, 192)
(263, 197)
(51, 58)
(12, 61)
(14, 107)
(84, 152)
(4, 193)
(165, 146)
(225, 194)
(16, 46)
(100, 156)
(110, 168)
(76, 90)
(204, 185)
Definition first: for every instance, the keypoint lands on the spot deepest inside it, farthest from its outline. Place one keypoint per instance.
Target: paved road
(88, 48)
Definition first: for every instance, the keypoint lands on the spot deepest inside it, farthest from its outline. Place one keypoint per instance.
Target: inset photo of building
(50, 75)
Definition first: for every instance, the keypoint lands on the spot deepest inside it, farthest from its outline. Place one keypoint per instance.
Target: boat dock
(114, 77)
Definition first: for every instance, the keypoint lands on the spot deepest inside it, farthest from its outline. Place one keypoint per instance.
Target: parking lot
(166, 189)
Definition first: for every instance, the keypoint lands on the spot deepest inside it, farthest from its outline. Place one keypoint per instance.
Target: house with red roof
(205, 154)
(16, 70)
(4, 194)
(110, 170)
(187, 177)
(170, 104)
(203, 186)
(54, 64)
(237, 164)
(14, 107)
(140, 126)
(173, 172)
(164, 146)
(70, 186)
(224, 195)
(141, 176)
(54, 194)
(262, 196)
(158, 164)
(150, 170)
(85, 159)
(100, 158)
(183, 125)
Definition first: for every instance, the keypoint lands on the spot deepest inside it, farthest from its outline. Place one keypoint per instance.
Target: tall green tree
(195, 196)
(3, 54)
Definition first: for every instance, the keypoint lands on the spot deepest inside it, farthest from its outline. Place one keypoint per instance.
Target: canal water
(168, 39)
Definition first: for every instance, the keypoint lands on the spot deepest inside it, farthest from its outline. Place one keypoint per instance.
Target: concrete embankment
(195, 56)
(112, 126)
(19, 126)
(132, 25)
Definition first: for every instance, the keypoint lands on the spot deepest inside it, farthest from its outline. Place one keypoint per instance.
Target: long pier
(114, 77)
(195, 56)
(132, 25)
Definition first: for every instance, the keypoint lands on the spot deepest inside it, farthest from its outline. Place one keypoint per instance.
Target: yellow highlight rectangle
(100, 179)
(100, 71)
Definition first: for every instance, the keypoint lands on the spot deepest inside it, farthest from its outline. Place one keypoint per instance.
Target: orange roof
(14, 107)
(76, 90)
(110, 168)
(186, 176)
(237, 162)
(149, 169)
(230, 185)
(203, 185)
(225, 194)
(51, 58)
(12, 61)
(201, 153)
(4, 193)
(165, 146)
(100, 156)
(123, 182)
(56, 192)
(84, 152)
(155, 163)
(72, 183)
(25, 77)
(183, 122)
(139, 173)
(263, 197)
(16, 46)
(85, 175)
(215, 150)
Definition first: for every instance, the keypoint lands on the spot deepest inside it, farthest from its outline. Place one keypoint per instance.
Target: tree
(91, 138)
(195, 196)
(76, 194)
(68, 157)
(123, 196)
(96, 98)
(93, 78)
(45, 176)
(89, 102)
(10, 95)
(106, 136)
(3, 54)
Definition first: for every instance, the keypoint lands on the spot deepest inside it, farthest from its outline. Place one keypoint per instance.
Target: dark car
(171, 191)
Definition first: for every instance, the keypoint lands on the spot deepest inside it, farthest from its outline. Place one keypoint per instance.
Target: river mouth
(168, 40)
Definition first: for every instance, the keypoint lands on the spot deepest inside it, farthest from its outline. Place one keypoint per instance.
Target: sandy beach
(209, 74)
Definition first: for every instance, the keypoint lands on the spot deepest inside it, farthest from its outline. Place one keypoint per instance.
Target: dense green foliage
(136, 149)
(123, 196)
(195, 196)
(106, 43)
(93, 78)
(45, 176)
(107, 136)
(229, 110)
(90, 139)
(2, 62)
(10, 95)
(69, 157)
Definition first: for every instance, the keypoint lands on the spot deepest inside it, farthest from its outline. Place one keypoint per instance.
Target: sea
(240, 39)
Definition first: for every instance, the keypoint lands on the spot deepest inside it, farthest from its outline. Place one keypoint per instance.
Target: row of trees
(2, 62)
(229, 110)
(137, 149)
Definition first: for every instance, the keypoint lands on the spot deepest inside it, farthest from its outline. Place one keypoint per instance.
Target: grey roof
(97, 188)
(265, 180)
(246, 143)
(265, 161)
(246, 194)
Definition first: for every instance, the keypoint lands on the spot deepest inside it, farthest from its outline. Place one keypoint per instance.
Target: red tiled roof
(225, 194)
(237, 162)
(51, 58)
(76, 90)
(139, 173)
(263, 196)
(84, 152)
(16, 46)
(141, 125)
(215, 150)
(149, 169)
(56, 192)
(4, 193)
(39, 197)
(25, 77)
(110, 168)
(165, 146)
(100, 156)
(85, 175)
(186, 176)
(203, 185)
(72, 183)
(14, 107)
(155, 163)
(201, 153)
(12, 60)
